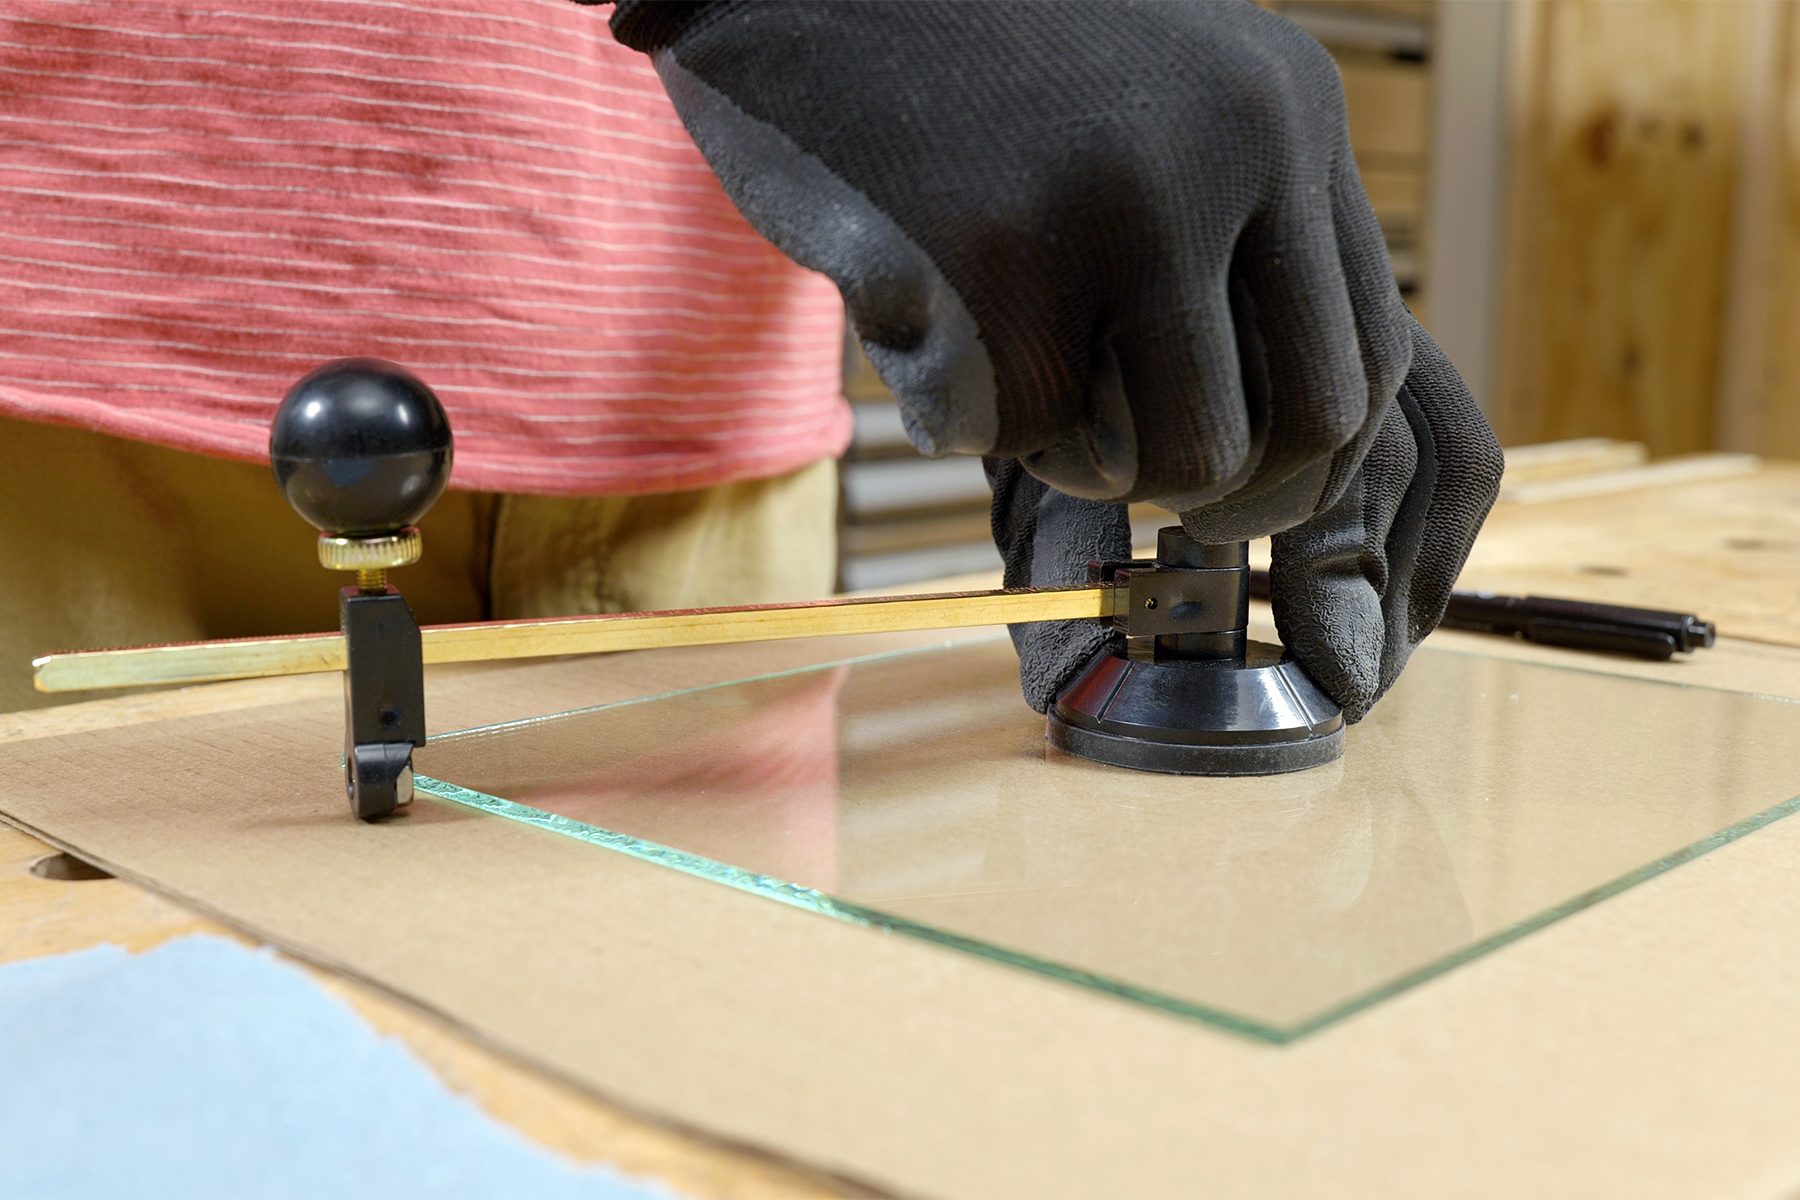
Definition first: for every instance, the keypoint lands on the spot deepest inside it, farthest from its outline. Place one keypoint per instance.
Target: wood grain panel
(1760, 379)
(1624, 155)
(1389, 104)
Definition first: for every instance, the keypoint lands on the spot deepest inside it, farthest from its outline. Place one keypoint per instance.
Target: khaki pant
(107, 542)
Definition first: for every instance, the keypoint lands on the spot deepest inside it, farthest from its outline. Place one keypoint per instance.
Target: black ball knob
(360, 447)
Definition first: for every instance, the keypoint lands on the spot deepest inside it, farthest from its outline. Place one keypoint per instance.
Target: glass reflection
(1481, 800)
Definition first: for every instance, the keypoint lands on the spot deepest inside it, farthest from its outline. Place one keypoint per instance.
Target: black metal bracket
(1190, 601)
(384, 700)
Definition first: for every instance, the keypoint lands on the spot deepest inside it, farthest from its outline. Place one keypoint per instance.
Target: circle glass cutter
(361, 449)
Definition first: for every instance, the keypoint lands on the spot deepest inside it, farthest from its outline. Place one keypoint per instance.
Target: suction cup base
(1261, 716)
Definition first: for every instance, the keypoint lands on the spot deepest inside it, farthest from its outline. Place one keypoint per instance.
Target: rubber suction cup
(1258, 715)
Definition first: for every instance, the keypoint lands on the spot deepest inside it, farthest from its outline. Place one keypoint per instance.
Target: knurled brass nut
(370, 554)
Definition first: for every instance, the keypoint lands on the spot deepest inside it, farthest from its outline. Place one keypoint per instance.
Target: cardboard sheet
(1645, 1046)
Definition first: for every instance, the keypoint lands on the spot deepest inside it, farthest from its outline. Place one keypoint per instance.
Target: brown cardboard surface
(1644, 1047)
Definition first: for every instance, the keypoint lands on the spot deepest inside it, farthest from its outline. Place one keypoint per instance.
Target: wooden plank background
(1627, 124)
(1653, 225)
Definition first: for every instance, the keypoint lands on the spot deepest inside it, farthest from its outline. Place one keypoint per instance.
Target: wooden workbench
(1721, 544)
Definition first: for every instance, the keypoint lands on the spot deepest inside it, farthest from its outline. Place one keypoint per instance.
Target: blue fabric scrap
(204, 1069)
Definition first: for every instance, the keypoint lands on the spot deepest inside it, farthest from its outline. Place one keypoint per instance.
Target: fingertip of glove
(1043, 682)
(1355, 712)
(1351, 682)
(1333, 627)
(1051, 656)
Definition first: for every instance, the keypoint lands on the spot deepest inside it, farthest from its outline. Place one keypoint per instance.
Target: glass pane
(914, 791)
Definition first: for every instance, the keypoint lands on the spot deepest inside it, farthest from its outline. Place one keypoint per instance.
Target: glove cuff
(650, 25)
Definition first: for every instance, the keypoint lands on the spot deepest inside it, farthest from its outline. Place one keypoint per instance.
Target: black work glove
(1047, 539)
(1354, 588)
(1125, 245)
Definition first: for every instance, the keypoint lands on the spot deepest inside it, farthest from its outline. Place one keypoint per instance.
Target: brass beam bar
(245, 658)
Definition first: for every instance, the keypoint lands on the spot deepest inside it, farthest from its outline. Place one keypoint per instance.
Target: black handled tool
(1652, 633)
(361, 448)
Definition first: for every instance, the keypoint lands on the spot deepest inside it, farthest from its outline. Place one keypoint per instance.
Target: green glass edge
(816, 901)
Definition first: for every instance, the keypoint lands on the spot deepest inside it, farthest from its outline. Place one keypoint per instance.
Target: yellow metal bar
(201, 662)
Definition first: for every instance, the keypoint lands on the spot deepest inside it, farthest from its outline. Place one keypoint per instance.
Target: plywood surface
(1727, 549)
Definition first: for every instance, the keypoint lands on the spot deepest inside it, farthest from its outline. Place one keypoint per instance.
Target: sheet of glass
(914, 792)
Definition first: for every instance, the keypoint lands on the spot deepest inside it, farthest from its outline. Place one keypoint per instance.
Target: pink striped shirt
(204, 201)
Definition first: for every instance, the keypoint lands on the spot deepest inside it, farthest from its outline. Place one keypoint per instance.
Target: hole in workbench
(67, 867)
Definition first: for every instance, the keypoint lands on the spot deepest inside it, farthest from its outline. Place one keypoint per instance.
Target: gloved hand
(1124, 245)
(1047, 539)
(1354, 588)
(1358, 586)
